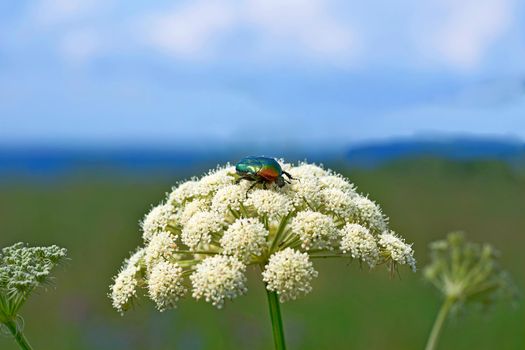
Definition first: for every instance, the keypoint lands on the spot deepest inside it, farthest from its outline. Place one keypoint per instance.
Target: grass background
(95, 215)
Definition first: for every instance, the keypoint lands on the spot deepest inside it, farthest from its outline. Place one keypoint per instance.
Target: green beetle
(261, 170)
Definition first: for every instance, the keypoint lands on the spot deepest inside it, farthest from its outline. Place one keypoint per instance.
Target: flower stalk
(277, 322)
(18, 335)
(438, 324)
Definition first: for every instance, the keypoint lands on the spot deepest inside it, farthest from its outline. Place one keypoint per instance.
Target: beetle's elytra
(261, 170)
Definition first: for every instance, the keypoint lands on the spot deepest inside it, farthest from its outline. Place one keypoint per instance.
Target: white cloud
(191, 29)
(300, 28)
(460, 33)
(307, 25)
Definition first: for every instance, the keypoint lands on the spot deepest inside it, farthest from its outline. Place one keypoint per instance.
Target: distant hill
(185, 162)
(374, 154)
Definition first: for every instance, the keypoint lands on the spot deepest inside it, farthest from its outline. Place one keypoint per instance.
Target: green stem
(18, 335)
(277, 322)
(438, 324)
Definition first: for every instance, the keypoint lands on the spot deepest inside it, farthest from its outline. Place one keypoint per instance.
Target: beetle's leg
(265, 185)
(288, 175)
(251, 187)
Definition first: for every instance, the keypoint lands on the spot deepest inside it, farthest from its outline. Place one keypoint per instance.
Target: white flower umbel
(368, 214)
(200, 228)
(165, 285)
(228, 198)
(186, 212)
(337, 182)
(270, 204)
(244, 238)
(305, 193)
(289, 273)
(124, 288)
(338, 203)
(395, 250)
(360, 243)
(218, 278)
(22, 270)
(315, 230)
(160, 248)
(209, 230)
(156, 221)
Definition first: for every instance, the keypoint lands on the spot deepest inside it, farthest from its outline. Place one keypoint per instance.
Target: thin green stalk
(438, 324)
(18, 335)
(277, 322)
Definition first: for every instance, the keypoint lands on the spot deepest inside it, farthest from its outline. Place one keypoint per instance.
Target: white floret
(200, 228)
(165, 285)
(269, 203)
(360, 243)
(160, 248)
(316, 230)
(395, 249)
(244, 238)
(157, 220)
(289, 273)
(219, 278)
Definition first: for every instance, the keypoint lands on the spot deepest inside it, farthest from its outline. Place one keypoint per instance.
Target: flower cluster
(467, 272)
(22, 269)
(207, 231)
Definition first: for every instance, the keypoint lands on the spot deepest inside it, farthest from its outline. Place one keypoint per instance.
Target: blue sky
(290, 72)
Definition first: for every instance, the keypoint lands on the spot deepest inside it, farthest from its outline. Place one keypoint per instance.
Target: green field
(96, 217)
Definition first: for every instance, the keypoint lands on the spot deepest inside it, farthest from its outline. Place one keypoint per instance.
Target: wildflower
(212, 229)
(368, 214)
(218, 278)
(22, 270)
(484, 280)
(244, 238)
(361, 244)
(156, 221)
(124, 288)
(315, 230)
(465, 273)
(200, 228)
(270, 204)
(395, 250)
(289, 273)
(165, 285)
(160, 248)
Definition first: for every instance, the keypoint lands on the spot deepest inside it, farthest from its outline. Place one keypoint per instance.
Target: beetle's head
(280, 181)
